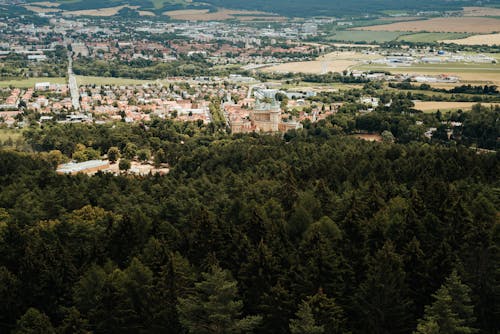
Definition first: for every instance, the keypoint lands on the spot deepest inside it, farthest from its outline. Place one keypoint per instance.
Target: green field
(84, 80)
(365, 36)
(13, 134)
(430, 37)
(28, 83)
(159, 4)
(438, 68)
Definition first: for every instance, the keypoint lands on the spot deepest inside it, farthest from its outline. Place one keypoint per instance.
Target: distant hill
(291, 8)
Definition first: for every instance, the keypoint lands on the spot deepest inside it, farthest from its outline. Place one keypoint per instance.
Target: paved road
(73, 85)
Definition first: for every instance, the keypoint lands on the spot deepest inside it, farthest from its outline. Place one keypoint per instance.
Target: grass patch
(100, 81)
(14, 135)
(437, 68)
(365, 36)
(429, 107)
(159, 4)
(394, 12)
(430, 37)
(30, 83)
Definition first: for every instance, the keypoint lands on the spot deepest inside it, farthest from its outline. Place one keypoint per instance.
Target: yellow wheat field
(481, 11)
(442, 24)
(434, 105)
(490, 39)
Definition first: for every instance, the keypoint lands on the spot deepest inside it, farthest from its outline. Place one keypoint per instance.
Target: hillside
(292, 8)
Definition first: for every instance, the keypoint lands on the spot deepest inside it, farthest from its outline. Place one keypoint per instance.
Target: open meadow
(430, 37)
(52, 7)
(432, 106)
(90, 80)
(364, 36)
(485, 74)
(109, 11)
(442, 24)
(29, 83)
(332, 62)
(12, 134)
(45, 10)
(489, 39)
(481, 11)
(220, 14)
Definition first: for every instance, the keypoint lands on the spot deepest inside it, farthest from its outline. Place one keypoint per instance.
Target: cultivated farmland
(442, 24)
(490, 39)
(332, 62)
(431, 106)
(365, 36)
(430, 37)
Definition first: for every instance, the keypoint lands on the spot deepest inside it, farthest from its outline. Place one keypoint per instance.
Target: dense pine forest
(312, 233)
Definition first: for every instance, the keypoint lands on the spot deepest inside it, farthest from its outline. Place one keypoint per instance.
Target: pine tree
(460, 296)
(328, 313)
(214, 307)
(305, 323)
(451, 312)
(382, 300)
(34, 322)
(277, 306)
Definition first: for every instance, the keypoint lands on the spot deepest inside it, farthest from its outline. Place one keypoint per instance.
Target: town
(234, 166)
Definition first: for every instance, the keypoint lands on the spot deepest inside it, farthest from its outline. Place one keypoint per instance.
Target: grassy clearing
(433, 106)
(100, 12)
(436, 68)
(88, 80)
(443, 24)
(159, 4)
(490, 39)
(302, 85)
(219, 15)
(29, 83)
(13, 134)
(430, 37)
(481, 11)
(365, 36)
(475, 74)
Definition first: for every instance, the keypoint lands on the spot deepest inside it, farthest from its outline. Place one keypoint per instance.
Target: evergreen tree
(451, 312)
(460, 296)
(305, 323)
(34, 322)
(328, 313)
(73, 323)
(277, 307)
(214, 306)
(382, 300)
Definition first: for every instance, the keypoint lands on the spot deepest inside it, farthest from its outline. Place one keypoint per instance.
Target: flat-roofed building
(86, 167)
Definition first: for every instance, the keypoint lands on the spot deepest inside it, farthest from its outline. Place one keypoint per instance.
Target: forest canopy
(320, 233)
